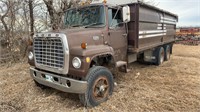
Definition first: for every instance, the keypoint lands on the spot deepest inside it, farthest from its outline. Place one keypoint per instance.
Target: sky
(188, 11)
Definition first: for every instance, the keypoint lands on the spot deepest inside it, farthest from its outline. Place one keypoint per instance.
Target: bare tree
(6, 4)
(16, 17)
(56, 13)
(29, 23)
(8, 11)
(24, 15)
(30, 3)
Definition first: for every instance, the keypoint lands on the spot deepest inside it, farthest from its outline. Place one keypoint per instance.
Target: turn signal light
(84, 45)
(88, 60)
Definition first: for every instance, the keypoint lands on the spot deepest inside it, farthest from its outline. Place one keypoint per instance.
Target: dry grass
(173, 86)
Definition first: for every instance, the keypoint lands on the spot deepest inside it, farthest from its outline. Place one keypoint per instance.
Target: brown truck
(97, 37)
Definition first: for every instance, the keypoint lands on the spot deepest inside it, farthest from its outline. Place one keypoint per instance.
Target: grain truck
(96, 38)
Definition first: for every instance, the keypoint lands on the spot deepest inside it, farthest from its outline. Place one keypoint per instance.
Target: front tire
(100, 86)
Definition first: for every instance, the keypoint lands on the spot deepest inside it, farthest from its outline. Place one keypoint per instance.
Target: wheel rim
(162, 56)
(100, 88)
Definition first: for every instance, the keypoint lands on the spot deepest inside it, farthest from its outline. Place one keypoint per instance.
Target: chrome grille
(49, 51)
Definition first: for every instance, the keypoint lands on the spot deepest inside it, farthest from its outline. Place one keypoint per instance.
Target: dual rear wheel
(163, 54)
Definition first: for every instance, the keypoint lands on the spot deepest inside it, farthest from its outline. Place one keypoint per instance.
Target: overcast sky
(187, 10)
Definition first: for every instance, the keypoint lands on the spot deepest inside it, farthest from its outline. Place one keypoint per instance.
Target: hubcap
(100, 88)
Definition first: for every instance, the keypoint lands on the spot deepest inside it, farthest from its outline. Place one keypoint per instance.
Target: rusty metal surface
(100, 89)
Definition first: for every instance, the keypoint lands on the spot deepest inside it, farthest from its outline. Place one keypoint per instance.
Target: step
(121, 63)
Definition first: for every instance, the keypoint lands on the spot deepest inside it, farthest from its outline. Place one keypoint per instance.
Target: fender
(92, 52)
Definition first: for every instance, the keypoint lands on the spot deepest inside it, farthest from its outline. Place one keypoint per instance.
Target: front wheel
(100, 86)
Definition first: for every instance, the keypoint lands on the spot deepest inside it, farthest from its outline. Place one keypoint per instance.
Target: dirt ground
(173, 86)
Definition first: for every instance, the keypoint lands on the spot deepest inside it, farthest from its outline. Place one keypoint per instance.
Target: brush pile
(188, 40)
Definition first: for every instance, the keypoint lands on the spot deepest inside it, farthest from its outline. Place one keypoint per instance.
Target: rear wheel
(100, 86)
(167, 52)
(171, 48)
(160, 55)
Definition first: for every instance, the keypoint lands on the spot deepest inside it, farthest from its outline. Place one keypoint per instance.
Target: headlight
(30, 56)
(76, 62)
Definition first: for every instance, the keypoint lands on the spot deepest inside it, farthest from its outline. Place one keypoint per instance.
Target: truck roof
(139, 2)
(156, 8)
(114, 2)
(144, 4)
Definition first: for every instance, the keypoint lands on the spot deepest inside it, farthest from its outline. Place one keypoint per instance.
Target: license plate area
(49, 78)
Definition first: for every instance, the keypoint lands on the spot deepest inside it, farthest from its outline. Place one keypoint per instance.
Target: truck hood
(76, 36)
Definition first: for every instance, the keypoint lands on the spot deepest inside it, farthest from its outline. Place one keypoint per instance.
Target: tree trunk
(56, 16)
(31, 18)
(30, 39)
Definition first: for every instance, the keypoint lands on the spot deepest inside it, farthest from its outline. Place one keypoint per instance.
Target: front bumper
(58, 82)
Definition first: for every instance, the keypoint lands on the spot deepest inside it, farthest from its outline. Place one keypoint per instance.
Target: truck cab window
(114, 19)
(85, 17)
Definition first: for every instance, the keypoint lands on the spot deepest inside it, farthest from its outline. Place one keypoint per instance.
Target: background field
(173, 86)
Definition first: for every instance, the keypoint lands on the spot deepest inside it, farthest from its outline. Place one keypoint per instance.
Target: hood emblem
(96, 38)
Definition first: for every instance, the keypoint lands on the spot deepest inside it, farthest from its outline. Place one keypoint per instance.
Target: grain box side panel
(133, 27)
(150, 27)
(150, 33)
(169, 24)
(156, 27)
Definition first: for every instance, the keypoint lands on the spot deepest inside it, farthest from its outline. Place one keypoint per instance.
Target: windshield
(92, 16)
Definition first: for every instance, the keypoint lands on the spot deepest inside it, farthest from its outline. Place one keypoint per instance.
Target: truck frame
(97, 37)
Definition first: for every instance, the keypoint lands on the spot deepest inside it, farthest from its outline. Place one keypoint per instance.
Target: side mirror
(126, 14)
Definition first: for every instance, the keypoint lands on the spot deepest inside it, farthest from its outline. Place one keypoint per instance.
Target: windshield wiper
(76, 25)
(86, 26)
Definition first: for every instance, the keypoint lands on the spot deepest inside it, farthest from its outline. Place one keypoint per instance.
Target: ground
(173, 86)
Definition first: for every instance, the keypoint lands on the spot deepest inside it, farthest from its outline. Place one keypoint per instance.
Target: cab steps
(123, 66)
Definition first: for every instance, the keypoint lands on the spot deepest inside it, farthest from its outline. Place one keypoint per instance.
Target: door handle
(125, 35)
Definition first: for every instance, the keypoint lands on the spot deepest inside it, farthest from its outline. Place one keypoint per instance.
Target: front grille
(49, 51)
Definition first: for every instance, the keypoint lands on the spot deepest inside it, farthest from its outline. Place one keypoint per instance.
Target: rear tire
(160, 56)
(167, 52)
(100, 86)
(171, 48)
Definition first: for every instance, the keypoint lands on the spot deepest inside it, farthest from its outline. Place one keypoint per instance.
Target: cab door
(117, 34)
